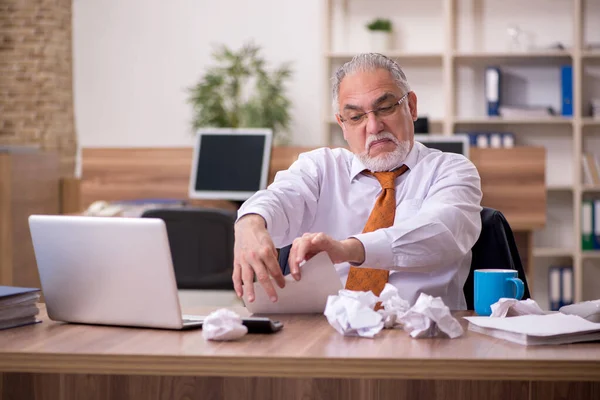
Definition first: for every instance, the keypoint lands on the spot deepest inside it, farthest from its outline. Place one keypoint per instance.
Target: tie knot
(386, 179)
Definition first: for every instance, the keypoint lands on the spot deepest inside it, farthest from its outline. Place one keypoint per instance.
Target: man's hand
(255, 253)
(307, 246)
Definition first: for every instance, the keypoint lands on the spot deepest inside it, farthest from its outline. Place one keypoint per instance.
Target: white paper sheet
(553, 328)
(307, 296)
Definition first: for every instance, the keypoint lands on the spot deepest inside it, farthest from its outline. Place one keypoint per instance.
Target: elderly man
(389, 210)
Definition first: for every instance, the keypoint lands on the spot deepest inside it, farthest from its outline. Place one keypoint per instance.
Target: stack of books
(591, 169)
(18, 306)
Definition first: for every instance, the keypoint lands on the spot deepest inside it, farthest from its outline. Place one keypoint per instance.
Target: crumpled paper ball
(430, 317)
(223, 325)
(351, 313)
(393, 305)
(506, 307)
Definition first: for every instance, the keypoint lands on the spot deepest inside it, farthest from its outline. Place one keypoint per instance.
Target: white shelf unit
(445, 67)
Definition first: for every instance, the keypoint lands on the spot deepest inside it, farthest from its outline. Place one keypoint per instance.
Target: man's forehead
(366, 87)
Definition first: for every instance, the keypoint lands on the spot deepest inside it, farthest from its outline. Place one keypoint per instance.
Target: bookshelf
(445, 68)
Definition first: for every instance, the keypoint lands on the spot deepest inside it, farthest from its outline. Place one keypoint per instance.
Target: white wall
(134, 59)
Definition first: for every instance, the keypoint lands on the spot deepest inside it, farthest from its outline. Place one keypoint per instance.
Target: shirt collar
(410, 161)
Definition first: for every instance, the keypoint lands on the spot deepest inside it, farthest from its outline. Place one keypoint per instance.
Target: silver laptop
(108, 271)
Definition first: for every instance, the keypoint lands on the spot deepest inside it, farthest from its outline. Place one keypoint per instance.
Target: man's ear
(339, 121)
(412, 105)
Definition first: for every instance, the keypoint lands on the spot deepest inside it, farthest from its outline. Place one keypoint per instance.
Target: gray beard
(385, 161)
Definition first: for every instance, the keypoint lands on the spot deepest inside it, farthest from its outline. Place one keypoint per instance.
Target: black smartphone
(261, 325)
(254, 324)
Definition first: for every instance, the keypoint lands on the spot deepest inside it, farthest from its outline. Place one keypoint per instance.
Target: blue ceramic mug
(493, 284)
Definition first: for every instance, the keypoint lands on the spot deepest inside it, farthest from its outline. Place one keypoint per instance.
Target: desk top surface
(306, 347)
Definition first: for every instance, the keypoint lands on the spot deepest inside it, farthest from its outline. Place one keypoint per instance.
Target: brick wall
(36, 90)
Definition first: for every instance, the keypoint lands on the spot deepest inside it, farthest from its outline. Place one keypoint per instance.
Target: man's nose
(374, 124)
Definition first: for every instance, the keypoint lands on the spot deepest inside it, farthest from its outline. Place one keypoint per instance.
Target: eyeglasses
(355, 118)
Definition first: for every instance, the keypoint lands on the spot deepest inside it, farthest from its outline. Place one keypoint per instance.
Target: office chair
(495, 249)
(201, 241)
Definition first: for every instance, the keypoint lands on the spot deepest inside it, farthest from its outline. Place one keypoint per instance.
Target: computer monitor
(230, 164)
(451, 144)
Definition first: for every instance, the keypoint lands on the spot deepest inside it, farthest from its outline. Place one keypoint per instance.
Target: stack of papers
(556, 328)
(18, 306)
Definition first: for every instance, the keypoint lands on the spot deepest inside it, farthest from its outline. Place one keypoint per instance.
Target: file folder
(596, 230)
(587, 223)
(554, 287)
(566, 289)
(492, 90)
(495, 140)
(566, 79)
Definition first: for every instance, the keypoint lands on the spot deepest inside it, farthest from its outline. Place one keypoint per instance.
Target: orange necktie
(382, 216)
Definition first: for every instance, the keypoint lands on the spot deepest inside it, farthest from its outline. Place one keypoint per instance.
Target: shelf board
(591, 54)
(590, 254)
(401, 56)
(587, 188)
(514, 121)
(552, 252)
(559, 188)
(531, 57)
(589, 121)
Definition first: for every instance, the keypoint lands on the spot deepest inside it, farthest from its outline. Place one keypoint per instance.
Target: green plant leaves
(241, 92)
(380, 24)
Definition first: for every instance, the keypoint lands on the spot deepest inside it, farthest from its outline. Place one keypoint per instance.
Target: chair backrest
(495, 249)
(201, 241)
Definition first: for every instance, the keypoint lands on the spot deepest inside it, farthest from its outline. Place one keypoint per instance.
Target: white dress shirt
(437, 222)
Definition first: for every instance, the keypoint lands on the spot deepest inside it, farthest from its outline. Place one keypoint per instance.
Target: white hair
(368, 62)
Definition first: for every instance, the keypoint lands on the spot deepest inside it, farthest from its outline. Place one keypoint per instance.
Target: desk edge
(450, 369)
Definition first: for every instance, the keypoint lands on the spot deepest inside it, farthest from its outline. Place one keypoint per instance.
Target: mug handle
(520, 287)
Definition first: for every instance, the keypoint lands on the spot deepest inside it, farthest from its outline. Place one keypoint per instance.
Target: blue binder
(492, 90)
(566, 85)
(596, 225)
(560, 286)
(567, 287)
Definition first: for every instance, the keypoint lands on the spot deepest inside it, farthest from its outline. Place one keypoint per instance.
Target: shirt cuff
(259, 211)
(378, 251)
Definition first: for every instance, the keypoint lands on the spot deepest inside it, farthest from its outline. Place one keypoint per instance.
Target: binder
(587, 224)
(492, 90)
(554, 287)
(508, 140)
(596, 230)
(496, 140)
(566, 286)
(566, 84)
(483, 140)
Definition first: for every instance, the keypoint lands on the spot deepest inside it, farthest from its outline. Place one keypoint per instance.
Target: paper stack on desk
(18, 306)
(306, 296)
(556, 328)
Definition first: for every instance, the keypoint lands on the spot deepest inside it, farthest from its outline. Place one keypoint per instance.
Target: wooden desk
(307, 359)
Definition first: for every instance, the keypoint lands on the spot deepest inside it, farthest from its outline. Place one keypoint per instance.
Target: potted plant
(240, 92)
(380, 35)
